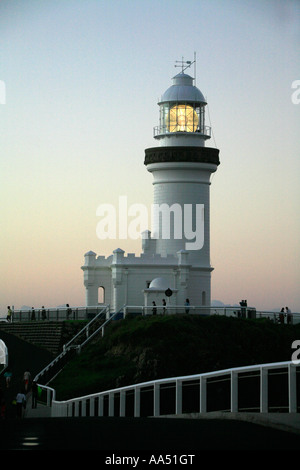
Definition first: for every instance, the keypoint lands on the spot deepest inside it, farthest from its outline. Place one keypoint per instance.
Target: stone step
(44, 334)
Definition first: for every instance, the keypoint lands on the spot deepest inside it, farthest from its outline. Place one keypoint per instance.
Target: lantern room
(182, 114)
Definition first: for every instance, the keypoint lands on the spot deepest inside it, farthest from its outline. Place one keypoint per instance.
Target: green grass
(146, 348)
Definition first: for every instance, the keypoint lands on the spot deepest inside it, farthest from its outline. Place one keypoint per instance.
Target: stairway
(46, 334)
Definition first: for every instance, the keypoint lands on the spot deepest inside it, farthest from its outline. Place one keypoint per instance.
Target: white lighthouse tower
(181, 167)
(176, 253)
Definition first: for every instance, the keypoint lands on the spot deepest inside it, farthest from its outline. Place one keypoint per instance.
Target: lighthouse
(176, 251)
(182, 166)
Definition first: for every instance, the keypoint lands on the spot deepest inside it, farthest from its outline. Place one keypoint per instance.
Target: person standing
(9, 314)
(32, 313)
(69, 311)
(8, 376)
(26, 378)
(289, 317)
(34, 390)
(43, 313)
(21, 404)
(281, 316)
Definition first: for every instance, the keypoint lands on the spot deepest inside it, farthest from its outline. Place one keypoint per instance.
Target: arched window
(101, 295)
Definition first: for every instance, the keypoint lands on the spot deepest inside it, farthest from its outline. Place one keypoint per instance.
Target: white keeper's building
(179, 258)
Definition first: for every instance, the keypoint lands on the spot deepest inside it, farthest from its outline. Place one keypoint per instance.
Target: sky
(79, 86)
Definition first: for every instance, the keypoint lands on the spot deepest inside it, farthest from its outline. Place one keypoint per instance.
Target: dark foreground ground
(114, 438)
(147, 436)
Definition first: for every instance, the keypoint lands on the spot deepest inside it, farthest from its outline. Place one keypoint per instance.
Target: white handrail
(86, 328)
(64, 408)
(68, 345)
(101, 327)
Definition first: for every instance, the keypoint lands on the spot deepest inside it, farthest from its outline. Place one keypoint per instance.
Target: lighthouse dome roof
(183, 90)
(159, 283)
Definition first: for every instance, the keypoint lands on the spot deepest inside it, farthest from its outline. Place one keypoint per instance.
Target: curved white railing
(93, 405)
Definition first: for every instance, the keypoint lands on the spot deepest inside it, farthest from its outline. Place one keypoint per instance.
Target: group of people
(285, 312)
(20, 401)
(154, 309)
(42, 311)
(32, 316)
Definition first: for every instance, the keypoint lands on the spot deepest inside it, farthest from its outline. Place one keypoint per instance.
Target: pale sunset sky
(80, 81)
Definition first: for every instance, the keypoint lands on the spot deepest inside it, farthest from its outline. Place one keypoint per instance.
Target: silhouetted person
(21, 403)
(34, 395)
(32, 314)
(281, 316)
(288, 315)
(69, 311)
(43, 313)
(9, 314)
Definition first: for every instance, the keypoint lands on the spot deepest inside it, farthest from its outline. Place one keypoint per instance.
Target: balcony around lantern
(204, 131)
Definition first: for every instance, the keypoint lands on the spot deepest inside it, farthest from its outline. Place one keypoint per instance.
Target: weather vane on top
(185, 64)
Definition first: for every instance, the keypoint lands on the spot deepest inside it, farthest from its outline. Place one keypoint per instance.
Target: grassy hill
(138, 349)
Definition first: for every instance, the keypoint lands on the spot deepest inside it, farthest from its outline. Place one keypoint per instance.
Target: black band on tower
(182, 154)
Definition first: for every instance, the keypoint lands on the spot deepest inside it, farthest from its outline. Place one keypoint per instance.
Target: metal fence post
(122, 403)
(202, 394)
(137, 402)
(49, 393)
(92, 406)
(83, 407)
(234, 391)
(100, 406)
(156, 404)
(292, 388)
(111, 404)
(178, 406)
(263, 390)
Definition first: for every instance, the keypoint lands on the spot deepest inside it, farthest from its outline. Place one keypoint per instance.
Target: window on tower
(182, 118)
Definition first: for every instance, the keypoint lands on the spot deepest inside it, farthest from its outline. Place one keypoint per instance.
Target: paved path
(142, 434)
(21, 356)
